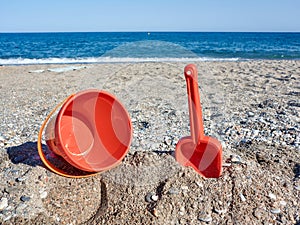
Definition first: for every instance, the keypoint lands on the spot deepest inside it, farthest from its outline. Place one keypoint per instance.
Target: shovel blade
(205, 157)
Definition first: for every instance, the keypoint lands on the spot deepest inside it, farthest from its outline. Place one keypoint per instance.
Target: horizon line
(150, 31)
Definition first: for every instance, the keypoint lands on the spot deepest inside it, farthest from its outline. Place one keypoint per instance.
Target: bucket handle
(42, 155)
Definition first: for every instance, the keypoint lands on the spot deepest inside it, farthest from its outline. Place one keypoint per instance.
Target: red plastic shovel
(202, 153)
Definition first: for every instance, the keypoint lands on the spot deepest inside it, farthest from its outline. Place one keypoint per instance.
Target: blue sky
(150, 15)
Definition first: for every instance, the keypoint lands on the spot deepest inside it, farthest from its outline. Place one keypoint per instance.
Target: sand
(252, 107)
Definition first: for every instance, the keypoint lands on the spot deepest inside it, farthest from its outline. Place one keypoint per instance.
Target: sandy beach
(252, 107)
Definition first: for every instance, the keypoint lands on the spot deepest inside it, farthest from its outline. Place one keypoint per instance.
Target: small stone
(7, 218)
(272, 196)
(24, 198)
(20, 179)
(43, 194)
(297, 187)
(223, 145)
(219, 211)
(185, 188)
(148, 197)
(154, 198)
(255, 133)
(243, 121)
(2, 138)
(226, 164)
(181, 211)
(10, 189)
(144, 125)
(283, 203)
(205, 217)
(3, 203)
(250, 114)
(151, 197)
(199, 184)
(173, 191)
(258, 213)
(242, 197)
(275, 210)
(236, 159)
(154, 212)
(168, 140)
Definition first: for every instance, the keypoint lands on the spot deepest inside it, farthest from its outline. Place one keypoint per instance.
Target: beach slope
(252, 107)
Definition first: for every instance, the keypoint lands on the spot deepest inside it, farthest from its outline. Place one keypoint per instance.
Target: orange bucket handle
(42, 155)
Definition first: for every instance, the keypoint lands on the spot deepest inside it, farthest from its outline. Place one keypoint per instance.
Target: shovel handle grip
(195, 109)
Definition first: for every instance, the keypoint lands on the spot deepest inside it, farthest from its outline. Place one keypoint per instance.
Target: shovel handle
(195, 109)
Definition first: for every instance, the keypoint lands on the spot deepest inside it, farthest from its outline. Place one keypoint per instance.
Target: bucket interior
(94, 130)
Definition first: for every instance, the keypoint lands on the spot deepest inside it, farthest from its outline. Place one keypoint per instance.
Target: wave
(27, 61)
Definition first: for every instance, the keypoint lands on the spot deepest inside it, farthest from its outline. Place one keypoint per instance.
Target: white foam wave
(26, 61)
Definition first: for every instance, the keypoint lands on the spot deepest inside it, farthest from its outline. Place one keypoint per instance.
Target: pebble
(148, 197)
(151, 197)
(226, 164)
(242, 197)
(236, 159)
(199, 184)
(10, 189)
(205, 217)
(255, 133)
(181, 211)
(43, 194)
(144, 124)
(168, 140)
(272, 196)
(20, 179)
(24, 198)
(275, 211)
(250, 114)
(220, 211)
(3, 203)
(154, 198)
(7, 218)
(155, 213)
(185, 188)
(258, 213)
(173, 191)
(283, 203)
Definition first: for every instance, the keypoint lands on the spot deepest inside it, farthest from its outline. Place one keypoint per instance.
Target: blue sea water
(89, 47)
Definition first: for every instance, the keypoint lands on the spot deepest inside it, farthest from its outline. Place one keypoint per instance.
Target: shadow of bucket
(92, 131)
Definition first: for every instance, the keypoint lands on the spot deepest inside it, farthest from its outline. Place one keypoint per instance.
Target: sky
(150, 15)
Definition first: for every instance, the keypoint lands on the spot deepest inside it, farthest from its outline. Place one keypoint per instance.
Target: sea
(115, 47)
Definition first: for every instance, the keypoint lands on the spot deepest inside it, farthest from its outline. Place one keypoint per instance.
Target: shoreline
(145, 60)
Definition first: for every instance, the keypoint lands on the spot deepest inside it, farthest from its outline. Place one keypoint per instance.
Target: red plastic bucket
(92, 131)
